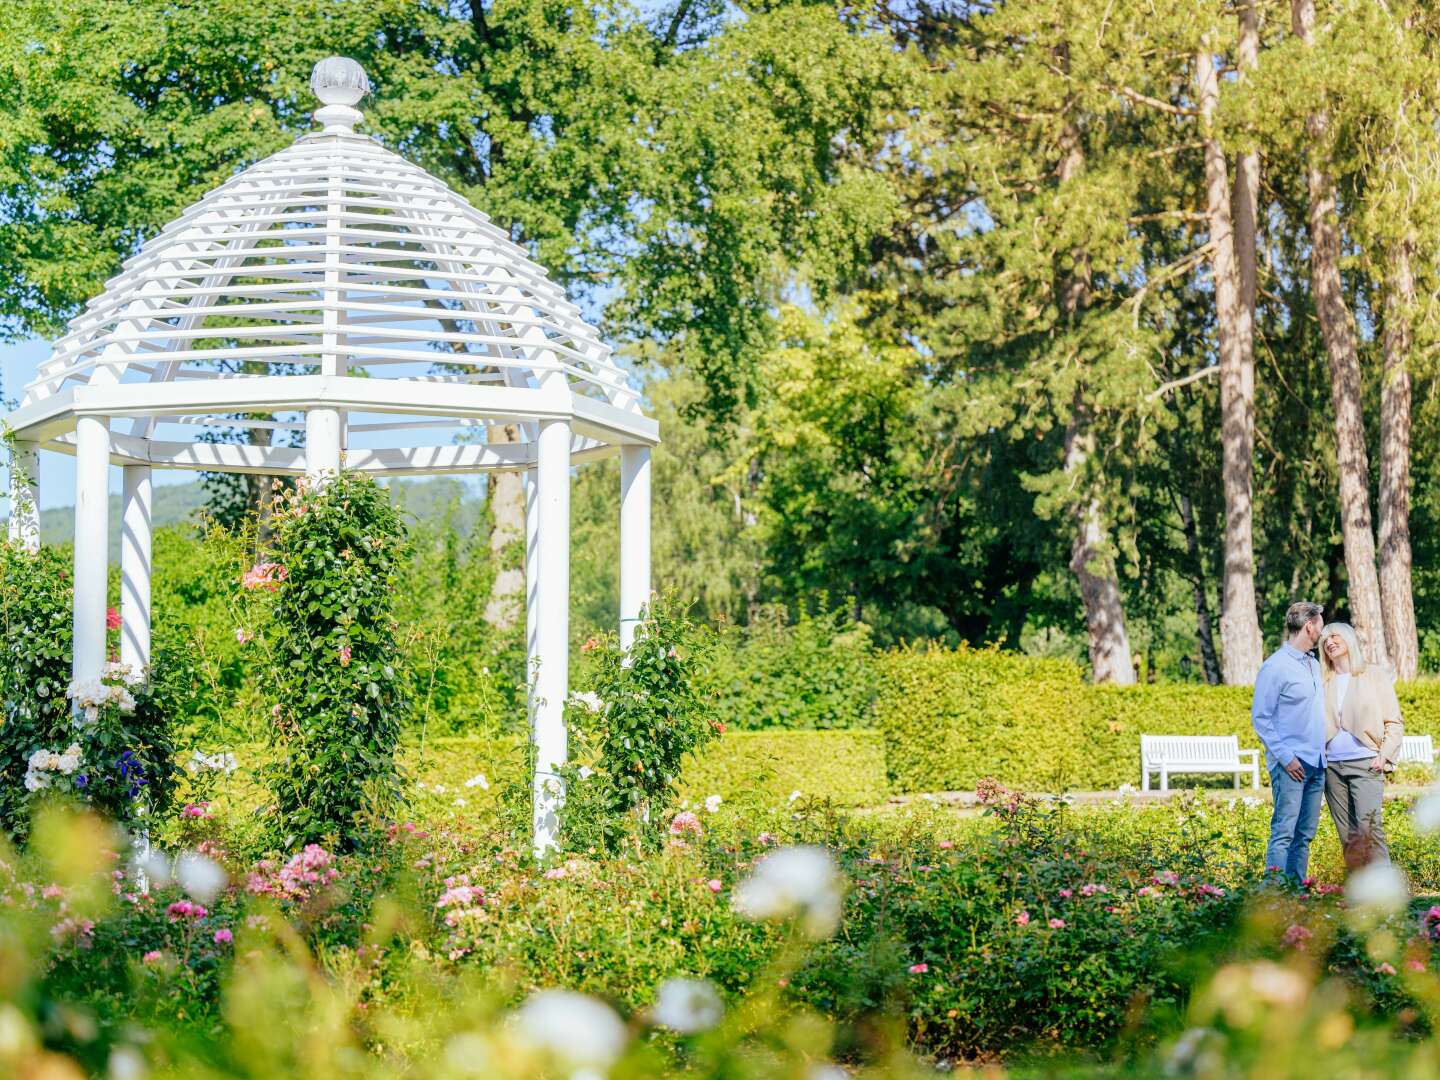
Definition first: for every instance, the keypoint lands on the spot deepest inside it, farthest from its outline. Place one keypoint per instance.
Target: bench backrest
(1198, 749)
(1419, 748)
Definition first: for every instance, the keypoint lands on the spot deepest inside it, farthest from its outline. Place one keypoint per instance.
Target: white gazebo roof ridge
(332, 289)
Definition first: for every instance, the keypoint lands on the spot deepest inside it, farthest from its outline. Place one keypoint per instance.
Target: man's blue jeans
(1295, 818)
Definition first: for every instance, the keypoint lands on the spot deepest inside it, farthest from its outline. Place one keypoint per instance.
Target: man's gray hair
(1299, 614)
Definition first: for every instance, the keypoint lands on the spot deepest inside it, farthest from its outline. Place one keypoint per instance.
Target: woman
(1363, 732)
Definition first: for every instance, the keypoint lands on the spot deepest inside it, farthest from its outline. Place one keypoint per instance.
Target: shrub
(953, 716)
(633, 728)
(35, 614)
(764, 767)
(333, 682)
(815, 672)
(114, 750)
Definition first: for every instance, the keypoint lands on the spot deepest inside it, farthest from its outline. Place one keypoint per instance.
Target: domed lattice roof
(362, 282)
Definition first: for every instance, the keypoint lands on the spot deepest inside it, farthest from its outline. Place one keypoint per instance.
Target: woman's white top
(1344, 746)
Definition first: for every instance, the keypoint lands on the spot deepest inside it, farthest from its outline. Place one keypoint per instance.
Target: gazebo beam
(551, 657)
(136, 543)
(634, 538)
(92, 545)
(25, 496)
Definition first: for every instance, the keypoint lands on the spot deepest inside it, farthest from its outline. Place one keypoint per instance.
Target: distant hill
(178, 504)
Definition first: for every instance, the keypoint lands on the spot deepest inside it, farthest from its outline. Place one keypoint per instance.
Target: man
(1289, 716)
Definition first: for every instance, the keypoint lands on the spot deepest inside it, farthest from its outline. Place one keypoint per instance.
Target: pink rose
(223, 936)
(1057, 924)
(151, 958)
(919, 969)
(715, 885)
(1387, 969)
(344, 655)
(112, 619)
(685, 822)
(1023, 919)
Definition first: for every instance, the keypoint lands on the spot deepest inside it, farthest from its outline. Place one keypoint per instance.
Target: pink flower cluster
(1296, 936)
(1091, 889)
(307, 872)
(1166, 877)
(265, 575)
(185, 909)
(685, 823)
(196, 810)
(1432, 923)
(80, 931)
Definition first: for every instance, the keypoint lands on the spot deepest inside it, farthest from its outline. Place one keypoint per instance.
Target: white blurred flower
(712, 803)
(1378, 889)
(127, 1063)
(827, 1072)
(459, 801)
(793, 795)
(687, 1006)
(201, 877)
(573, 1028)
(794, 881)
(589, 699)
(155, 866)
(586, 772)
(1426, 812)
(478, 780)
(1249, 802)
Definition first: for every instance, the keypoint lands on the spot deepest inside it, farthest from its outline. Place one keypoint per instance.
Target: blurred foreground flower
(574, 1029)
(202, 878)
(687, 1006)
(1426, 812)
(796, 881)
(1377, 890)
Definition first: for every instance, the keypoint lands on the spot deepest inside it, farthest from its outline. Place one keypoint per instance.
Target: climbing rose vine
(336, 697)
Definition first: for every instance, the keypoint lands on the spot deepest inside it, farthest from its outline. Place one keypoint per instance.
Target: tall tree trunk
(1204, 633)
(507, 510)
(1241, 644)
(1396, 594)
(1340, 348)
(1090, 557)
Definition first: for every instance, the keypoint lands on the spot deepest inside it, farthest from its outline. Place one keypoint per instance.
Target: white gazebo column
(322, 443)
(634, 538)
(551, 657)
(136, 538)
(25, 496)
(92, 544)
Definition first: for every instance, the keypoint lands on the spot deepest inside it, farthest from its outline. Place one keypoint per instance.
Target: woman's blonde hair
(1357, 656)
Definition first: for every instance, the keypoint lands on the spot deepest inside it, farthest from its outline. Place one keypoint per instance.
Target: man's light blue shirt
(1289, 707)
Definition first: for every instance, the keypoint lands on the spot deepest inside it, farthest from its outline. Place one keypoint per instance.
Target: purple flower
(82, 780)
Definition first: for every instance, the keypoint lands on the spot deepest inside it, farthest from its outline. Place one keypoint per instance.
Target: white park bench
(1417, 748)
(1168, 754)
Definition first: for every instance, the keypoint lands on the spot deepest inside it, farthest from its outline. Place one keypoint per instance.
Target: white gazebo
(336, 289)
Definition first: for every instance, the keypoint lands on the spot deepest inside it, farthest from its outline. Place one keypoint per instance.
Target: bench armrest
(1249, 755)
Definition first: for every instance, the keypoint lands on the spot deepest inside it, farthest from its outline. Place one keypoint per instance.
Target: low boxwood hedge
(952, 716)
(847, 767)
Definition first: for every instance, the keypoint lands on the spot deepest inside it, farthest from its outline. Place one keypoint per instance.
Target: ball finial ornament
(339, 83)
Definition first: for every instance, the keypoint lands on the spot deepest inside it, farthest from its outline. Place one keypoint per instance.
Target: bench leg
(1164, 778)
(1255, 777)
(1144, 777)
(1237, 779)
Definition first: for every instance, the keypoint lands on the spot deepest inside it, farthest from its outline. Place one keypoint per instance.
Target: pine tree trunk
(1239, 622)
(1357, 526)
(1090, 558)
(1396, 594)
(507, 510)
(1204, 632)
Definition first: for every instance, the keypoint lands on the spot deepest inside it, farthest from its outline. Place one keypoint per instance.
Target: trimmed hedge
(766, 766)
(951, 717)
